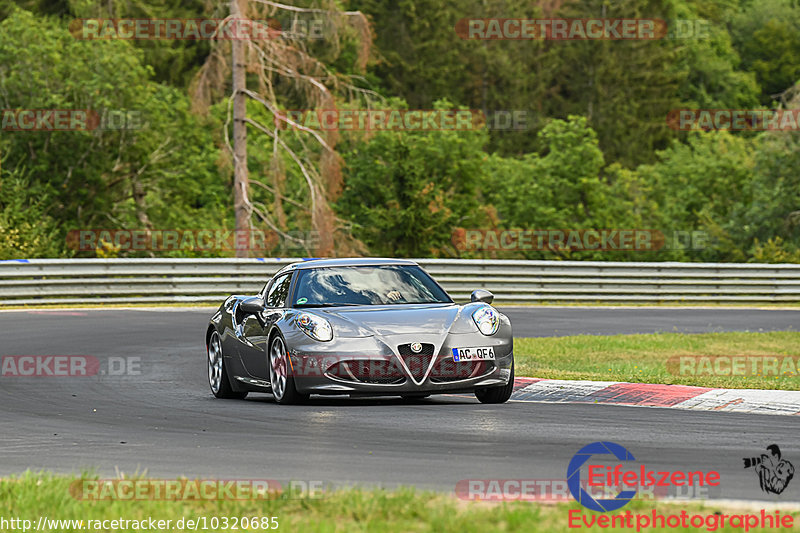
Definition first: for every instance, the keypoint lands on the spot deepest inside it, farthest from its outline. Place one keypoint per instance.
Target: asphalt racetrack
(165, 421)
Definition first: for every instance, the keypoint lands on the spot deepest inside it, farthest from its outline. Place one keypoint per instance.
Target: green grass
(346, 511)
(643, 358)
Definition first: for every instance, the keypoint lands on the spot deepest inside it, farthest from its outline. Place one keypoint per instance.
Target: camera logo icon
(774, 472)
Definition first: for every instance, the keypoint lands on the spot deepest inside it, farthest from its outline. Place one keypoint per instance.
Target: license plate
(473, 354)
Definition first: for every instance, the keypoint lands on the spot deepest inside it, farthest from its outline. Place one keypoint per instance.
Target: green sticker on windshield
(302, 300)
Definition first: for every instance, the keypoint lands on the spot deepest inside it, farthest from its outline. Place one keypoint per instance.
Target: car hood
(401, 319)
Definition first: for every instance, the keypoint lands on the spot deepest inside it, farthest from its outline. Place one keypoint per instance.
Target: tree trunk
(141, 208)
(241, 201)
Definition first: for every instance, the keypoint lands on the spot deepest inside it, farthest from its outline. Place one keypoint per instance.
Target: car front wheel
(280, 376)
(499, 394)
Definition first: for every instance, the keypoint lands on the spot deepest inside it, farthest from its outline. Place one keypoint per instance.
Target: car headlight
(487, 320)
(314, 326)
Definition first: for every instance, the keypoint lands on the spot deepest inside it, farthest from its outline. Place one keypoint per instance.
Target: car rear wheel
(499, 394)
(280, 376)
(217, 374)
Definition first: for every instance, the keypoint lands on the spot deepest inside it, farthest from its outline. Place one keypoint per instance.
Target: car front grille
(373, 372)
(417, 363)
(389, 372)
(382, 381)
(448, 370)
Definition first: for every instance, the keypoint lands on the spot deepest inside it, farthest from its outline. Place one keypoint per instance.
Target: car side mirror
(482, 295)
(252, 306)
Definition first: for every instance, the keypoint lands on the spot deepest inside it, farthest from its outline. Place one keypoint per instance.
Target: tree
(291, 70)
(561, 188)
(174, 61)
(702, 186)
(772, 211)
(26, 229)
(406, 192)
(105, 176)
(765, 35)
(241, 182)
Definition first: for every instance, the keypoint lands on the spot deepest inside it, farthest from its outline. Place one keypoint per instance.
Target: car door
(254, 331)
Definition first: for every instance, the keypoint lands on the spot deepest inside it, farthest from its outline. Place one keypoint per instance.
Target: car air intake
(448, 370)
(417, 363)
(375, 372)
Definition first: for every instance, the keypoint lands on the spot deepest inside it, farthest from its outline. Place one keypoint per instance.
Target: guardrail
(81, 281)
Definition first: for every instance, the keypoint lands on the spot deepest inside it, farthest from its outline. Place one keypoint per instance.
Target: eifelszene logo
(574, 476)
(774, 472)
(615, 478)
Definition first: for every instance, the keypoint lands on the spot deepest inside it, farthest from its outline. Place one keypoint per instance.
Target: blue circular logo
(574, 476)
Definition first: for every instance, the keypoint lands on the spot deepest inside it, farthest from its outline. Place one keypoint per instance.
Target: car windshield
(366, 285)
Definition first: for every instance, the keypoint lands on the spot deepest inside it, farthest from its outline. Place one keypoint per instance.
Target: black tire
(499, 394)
(280, 375)
(218, 379)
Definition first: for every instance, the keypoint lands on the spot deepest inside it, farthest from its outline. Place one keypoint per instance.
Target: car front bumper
(378, 359)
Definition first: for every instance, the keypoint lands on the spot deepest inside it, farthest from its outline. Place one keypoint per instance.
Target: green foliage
(624, 88)
(158, 170)
(421, 59)
(742, 192)
(775, 251)
(173, 61)
(26, 229)
(564, 189)
(405, 192)
(773, 209)
(700, 186)
(597, 153)
(765, 33)
(711, 75)
(557, 190)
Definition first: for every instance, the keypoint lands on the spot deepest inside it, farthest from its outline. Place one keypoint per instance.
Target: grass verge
(646, 359)
(349, 510)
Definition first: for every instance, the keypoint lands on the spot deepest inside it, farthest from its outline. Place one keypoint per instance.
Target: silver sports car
(359, 327)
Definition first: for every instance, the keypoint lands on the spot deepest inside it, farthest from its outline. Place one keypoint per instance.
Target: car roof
(342, 262)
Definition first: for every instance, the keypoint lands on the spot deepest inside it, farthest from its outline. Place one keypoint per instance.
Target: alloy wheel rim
(214, 363)
(277, 368)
